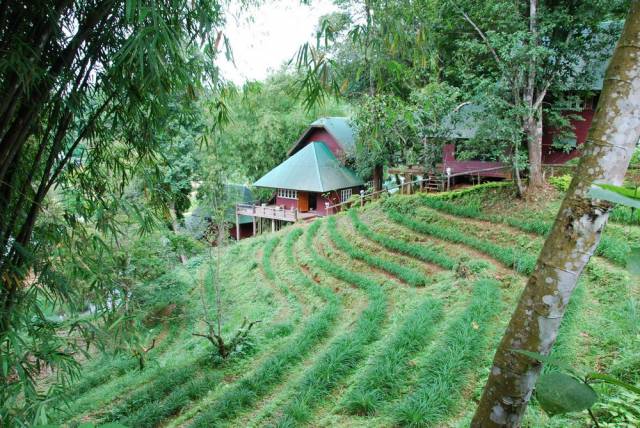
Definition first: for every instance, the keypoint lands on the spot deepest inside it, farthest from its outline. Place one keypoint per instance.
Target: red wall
(320, 134)
(286, 202)
(580, 128)
(333, 199)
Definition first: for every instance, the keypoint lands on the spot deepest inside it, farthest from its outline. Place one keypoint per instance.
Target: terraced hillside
(384, 316)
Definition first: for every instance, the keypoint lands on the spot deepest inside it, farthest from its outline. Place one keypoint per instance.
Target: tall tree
(575, 235)
(527, 50)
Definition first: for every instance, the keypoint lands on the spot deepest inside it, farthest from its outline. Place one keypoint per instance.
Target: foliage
(561, 183)
(86, 87)
(395, 131)
(449, 365)
(559, 392)
(611, 247)
(248, 390)
(346, 351)
(406, 274)
(265, 121)
(379, 383)
(420, 252)
(519, 261)
(271, 275)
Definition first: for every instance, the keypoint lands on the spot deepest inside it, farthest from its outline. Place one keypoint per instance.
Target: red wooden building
(558, 145)
(314, 175)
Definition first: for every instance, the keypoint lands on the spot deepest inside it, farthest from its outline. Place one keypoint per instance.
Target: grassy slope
(383, 317)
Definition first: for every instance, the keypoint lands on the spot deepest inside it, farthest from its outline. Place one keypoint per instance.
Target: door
(303, 202)
(313, 198)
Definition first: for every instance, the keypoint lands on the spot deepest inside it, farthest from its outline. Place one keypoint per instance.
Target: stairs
(433, 183)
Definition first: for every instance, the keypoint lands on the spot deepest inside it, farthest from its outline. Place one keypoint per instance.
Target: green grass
(420, 252)
(154, 412)
(520, 261)
(267, 255)
(410, 276)
(365, 351)
(613, 248)
(446, 371)
(382, 380)
(247, 391)
(345, 353)
(625, 215)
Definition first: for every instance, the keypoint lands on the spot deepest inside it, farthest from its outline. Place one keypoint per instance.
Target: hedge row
(409, 275)
(417, 251)
(447, 371)
(246, 392)
(345, 353)
(381, 381)
(520, 261)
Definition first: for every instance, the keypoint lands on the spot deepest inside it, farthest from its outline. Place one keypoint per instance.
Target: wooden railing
(446, 179)
(272, 212)
(331, 209)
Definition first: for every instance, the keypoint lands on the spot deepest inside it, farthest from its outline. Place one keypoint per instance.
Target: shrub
(255, 385)
(346, 352)
(271, 275)
(561, 182)
(520, 261)
(382, 379)
(610, 247)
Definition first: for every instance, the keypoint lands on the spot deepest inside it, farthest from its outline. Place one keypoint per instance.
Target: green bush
(154, 412)
(420, 252)
(252, 387)
(561, 182)
(520, 261)
(626, 215)
(345, 353)
(292, 299)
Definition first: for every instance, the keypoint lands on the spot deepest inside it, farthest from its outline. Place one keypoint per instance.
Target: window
(287, 193)
(345, 194)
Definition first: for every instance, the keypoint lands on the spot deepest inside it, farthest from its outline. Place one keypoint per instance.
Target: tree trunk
(377, 178)
(575, 236)
(533, 132)
(532, 122)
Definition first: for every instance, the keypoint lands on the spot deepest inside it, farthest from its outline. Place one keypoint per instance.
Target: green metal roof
(339, 128)
(313, 169)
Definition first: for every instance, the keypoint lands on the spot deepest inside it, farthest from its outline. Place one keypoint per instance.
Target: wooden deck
(273, 212)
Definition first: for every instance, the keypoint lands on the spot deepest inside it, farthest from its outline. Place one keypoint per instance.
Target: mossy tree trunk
(576, 233)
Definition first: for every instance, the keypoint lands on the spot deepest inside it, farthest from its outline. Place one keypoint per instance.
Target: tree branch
(484, 38)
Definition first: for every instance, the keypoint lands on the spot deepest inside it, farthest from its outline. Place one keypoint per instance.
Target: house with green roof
(314, 176)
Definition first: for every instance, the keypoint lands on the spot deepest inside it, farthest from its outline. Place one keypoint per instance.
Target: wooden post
(254, 225)
(273, 225)
(237, 225)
